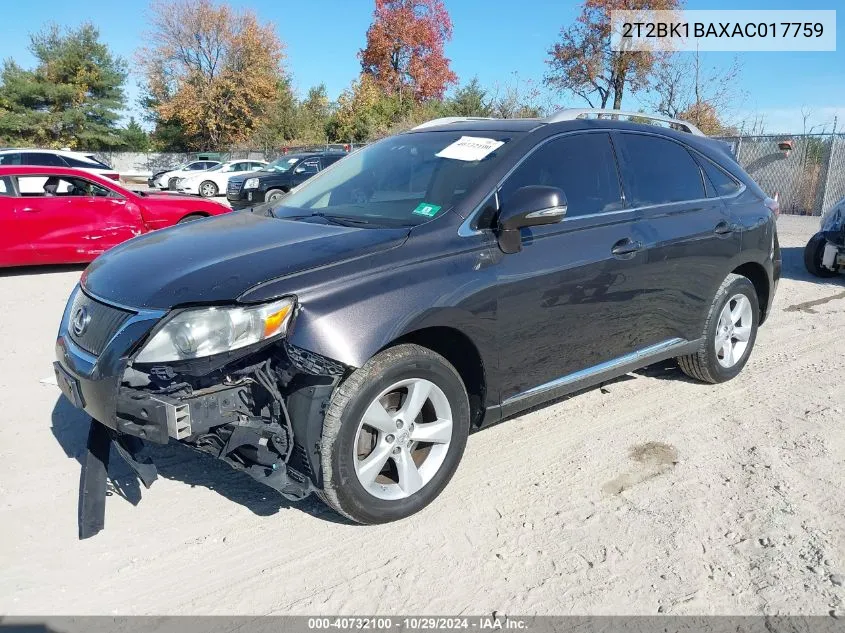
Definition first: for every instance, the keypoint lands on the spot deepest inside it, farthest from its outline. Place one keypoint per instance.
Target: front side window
(61, 186)
(10, 159)
(658, 171)
(582, 165)
(400, 180)
(308, 167)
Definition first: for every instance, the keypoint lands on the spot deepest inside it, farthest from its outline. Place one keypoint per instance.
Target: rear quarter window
(658, 171)
(723, 183)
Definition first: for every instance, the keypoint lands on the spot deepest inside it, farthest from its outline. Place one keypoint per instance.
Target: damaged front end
(258, 408)
(832, 228)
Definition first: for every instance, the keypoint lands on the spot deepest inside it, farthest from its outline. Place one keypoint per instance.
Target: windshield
(402, 180)
(282, 164)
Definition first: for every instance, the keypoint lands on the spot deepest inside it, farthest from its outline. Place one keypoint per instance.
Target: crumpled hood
(217, 259)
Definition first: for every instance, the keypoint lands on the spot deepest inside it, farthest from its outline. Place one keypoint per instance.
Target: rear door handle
(626, 248)
(29, 210)
(724, 228)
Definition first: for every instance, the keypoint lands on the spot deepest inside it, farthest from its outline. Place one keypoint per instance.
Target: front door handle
(626, 248)
(724, 228)
(29, 210)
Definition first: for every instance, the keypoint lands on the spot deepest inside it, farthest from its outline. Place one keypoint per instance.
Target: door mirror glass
(532, 205)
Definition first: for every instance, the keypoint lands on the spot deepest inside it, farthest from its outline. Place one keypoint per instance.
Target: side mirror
(534, 205)
(299, 169)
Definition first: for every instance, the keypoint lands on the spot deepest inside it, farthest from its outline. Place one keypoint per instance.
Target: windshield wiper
(341, 220)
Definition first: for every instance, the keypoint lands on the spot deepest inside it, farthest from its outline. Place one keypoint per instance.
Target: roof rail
(570, 114)
(446, 120)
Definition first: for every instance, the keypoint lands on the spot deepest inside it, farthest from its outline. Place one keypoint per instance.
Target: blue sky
(492, 39)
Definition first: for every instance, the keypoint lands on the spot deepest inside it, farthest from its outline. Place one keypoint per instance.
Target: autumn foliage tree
(210, 68)
(405, 49)
(582, 62)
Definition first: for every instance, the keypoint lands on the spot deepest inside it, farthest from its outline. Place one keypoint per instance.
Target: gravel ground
(652, 494)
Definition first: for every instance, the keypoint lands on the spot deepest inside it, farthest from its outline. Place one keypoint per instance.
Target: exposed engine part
(256, 413)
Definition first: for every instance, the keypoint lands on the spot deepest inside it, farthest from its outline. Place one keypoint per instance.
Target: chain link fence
(807, 172)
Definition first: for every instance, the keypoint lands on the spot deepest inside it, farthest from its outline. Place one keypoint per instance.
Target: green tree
(72, 98)
(314, 114)
(134, 138)
(471, 100)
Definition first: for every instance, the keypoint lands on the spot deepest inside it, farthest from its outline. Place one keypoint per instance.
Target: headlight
(202, 332)
(251, 183)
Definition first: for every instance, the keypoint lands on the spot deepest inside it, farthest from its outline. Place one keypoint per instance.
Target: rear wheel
(393, 435)
(208, 189)
(813, 254)
(191, 218)
(729, 333)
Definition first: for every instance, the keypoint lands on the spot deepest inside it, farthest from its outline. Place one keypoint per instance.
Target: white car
(57, 158)
(213, 182)
(161, 179)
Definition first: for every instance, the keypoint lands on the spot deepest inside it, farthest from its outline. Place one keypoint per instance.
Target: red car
(56, 215)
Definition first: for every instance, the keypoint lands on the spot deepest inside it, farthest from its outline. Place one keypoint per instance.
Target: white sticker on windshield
(470, 148)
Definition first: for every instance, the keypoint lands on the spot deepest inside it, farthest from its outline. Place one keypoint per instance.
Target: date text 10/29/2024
(419, 623)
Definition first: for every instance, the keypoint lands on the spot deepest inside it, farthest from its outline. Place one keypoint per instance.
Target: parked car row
(245, 182)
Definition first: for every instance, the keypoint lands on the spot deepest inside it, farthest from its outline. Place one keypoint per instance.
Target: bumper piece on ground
(95, 470)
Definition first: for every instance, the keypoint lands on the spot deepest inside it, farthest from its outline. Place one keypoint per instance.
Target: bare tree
(684, 87)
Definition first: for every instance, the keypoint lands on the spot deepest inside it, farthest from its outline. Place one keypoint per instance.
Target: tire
(708, 364)
(273, 195)
(813, 253)
(191, 218)
(344, 429)
(208, 189)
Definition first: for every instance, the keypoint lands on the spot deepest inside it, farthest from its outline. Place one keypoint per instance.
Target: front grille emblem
(80, 320)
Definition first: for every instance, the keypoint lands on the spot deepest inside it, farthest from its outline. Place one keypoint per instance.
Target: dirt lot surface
(653, 494)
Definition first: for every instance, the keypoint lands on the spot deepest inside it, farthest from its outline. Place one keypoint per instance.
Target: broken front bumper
(275, 438)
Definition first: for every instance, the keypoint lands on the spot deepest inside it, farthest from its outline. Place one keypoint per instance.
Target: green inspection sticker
(426, 209)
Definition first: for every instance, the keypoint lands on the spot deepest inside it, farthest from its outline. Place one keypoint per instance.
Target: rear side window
(582, 165)
(42, 159)
(724, 184)
(97, 162)
(658, 171)
(81, 163)
(10, 159)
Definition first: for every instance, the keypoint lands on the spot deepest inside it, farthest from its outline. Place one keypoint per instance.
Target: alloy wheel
(733, 331)
(403, 439)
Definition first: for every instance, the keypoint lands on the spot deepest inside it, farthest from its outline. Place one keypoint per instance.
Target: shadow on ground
(179, 463)
(29, 271)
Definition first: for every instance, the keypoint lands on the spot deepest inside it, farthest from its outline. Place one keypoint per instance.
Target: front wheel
(813, 254)
(274, 194)
(208, 189)
(729, 333)
(393, 435)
